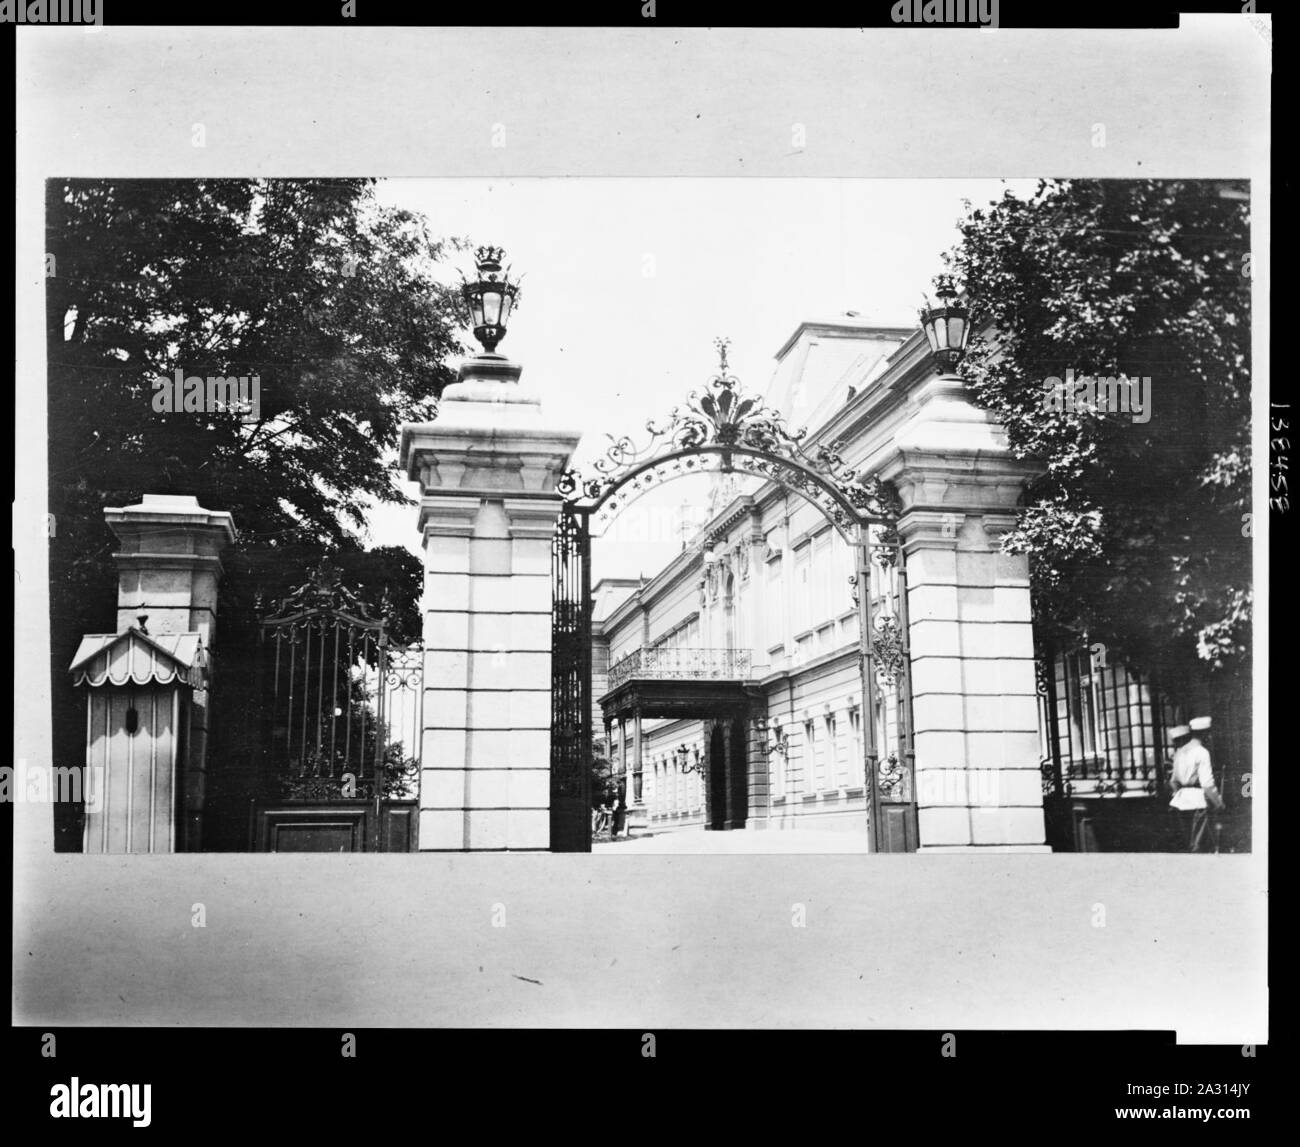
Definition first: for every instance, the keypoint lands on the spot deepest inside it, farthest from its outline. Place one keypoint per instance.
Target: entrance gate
(722, 429)
(340, 726)
(571, 756)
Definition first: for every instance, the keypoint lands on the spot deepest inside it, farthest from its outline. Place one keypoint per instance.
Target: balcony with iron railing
(682, 665)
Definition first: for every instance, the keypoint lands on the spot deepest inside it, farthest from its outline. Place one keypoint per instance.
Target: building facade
(762, 595)
(754, 627)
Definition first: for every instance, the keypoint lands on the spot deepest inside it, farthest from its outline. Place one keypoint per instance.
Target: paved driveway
(740, 841)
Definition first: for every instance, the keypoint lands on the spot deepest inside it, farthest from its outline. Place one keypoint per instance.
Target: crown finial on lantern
(488, 259)
(944, 287)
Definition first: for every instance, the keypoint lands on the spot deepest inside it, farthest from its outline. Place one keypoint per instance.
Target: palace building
(728, 684)
(755, 619)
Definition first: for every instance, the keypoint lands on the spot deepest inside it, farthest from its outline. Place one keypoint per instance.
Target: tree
(1137, 531)
(332, 300)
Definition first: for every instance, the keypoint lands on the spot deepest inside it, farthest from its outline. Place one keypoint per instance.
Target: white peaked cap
(1179, 731)
(1199, 724)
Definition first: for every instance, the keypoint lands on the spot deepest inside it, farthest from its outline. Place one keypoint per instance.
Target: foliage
(603, 783)
(334, 301)
(1137, 531)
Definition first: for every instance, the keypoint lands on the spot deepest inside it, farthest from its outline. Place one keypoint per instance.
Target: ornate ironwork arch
(722, 429)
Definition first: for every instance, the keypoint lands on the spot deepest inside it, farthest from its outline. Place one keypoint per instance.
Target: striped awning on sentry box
(138, 658)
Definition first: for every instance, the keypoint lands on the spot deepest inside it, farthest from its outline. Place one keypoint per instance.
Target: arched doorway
(721, 429)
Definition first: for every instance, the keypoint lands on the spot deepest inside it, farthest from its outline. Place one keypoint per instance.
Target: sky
(626, 283)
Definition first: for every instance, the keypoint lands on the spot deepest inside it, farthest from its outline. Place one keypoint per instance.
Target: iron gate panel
(341, 718)
(887, 690)
(571, 716)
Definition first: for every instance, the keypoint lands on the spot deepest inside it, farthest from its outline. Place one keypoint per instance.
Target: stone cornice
(532, 517)
(956, 481)
(741, 506)
(144, 559)
(447, 516)
(175, 517)
(489, 457)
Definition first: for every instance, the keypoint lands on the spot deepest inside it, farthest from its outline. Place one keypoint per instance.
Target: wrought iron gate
(887, 690)
(341, 725)
(571, 702)
(722, 429)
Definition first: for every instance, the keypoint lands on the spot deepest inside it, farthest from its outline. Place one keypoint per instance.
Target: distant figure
(1192, 781)
(618, 811)
(601, 820)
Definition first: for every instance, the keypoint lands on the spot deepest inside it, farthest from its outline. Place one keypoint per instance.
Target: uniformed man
(1192, 781)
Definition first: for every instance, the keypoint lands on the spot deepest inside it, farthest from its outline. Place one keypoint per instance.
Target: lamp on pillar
(490, 298)
(489, 377)
(947, 326)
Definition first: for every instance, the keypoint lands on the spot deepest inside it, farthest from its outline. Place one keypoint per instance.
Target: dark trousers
(1192, 825)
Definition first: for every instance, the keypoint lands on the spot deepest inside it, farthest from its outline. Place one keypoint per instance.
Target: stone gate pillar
(487, 470)
(972, 658)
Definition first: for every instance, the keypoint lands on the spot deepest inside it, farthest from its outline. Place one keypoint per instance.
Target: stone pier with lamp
(970, 632)
(487, 470)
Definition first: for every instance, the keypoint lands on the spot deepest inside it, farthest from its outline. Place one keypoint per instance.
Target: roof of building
(818, 364)
(850, 326)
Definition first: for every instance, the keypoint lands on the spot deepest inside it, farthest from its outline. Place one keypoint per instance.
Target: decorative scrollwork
(313, 787)
(747, 436)
(887, 645)
(1040, 675)
(886, 546)
(1047, 772)
(323, 595)
(891, 775)
(405, 667)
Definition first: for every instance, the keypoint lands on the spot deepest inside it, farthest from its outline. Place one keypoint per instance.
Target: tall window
(774, 599)
(809, 756)
(823, 607)
(839, 777)
(802, 589)
(729, 610)
(857, 766)
(741, 623)
(844, 558)
(1083, 712)
(778, 762)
